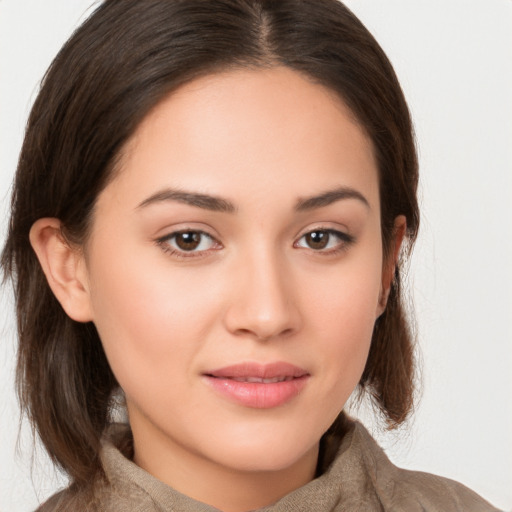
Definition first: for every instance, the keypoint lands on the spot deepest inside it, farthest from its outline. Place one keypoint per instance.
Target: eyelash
(345, 240)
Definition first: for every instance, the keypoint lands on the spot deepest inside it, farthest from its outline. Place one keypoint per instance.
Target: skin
(254, 290)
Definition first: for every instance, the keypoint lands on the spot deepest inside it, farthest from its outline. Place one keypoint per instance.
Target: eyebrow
(205, 201)
(218, 204)
(329, 197)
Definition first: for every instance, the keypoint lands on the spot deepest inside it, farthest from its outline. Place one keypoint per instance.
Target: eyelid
(342, 230)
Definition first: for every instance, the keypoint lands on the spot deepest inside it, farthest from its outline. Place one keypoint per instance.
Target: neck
(225, 488)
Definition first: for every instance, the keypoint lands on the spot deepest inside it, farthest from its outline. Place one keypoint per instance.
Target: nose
(262, 304)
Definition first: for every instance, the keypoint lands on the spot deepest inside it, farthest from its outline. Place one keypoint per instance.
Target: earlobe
(388, 270)
(64, 268)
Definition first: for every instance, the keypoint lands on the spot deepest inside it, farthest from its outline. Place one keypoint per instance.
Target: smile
(264, 381)
(258, 386)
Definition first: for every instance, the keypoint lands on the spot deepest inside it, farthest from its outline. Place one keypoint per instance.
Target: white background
(454, 60)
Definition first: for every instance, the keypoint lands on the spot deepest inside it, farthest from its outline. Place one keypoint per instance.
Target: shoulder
(403, 490)
(115, 491)
(101, 497)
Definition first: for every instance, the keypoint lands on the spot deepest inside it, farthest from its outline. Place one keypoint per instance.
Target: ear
(389, 266)
(64, 268)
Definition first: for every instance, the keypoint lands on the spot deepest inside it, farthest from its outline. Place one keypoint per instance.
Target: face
(234, 269)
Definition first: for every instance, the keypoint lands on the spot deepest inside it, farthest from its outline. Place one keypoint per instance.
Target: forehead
(261, 131)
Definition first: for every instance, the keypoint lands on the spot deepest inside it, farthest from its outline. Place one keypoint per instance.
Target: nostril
(277, 334)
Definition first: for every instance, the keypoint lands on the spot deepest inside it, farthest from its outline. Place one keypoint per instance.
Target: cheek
(343, 314)
(150, 320)
(346, 298)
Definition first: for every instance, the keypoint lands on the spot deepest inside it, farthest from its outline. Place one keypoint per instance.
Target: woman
(217, 194)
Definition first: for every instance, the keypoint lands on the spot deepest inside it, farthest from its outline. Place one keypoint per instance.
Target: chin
(264, 451)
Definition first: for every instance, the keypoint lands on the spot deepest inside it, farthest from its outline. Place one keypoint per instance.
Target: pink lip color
(231, 382)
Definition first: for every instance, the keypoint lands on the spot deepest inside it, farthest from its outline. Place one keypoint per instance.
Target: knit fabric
(359, 479)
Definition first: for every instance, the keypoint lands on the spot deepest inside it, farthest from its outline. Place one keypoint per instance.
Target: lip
(259, 386)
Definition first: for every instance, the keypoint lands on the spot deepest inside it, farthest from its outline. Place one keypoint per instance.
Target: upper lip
(246, 370)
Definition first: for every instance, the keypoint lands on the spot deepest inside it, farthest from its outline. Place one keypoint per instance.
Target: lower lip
(258, 395)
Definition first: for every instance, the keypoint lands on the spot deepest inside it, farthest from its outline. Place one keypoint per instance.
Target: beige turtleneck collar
(360, 478)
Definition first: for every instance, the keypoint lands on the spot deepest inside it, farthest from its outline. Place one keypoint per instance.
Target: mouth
(260, 386)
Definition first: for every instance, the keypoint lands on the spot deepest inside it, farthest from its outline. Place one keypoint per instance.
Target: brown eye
(317, 239)
(188, 241)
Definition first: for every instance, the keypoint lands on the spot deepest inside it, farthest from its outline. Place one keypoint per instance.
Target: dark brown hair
(125, 58)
